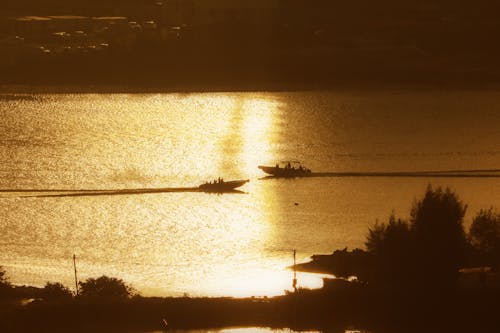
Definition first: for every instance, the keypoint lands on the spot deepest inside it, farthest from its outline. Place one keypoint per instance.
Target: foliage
(437, 224)
(3, 277)
(393, 248)
(56, 291)
(4, 280)
(484, 235)
(383, 239)
(5, 286)
(439, 216)
(105, 288)
(428, 250)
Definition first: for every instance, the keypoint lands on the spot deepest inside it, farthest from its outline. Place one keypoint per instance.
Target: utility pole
(295, 294)
(76, 278)
(294, 271)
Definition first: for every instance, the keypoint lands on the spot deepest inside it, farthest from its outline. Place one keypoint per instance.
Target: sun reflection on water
(257, 133)
(241, 330)
(162, 244)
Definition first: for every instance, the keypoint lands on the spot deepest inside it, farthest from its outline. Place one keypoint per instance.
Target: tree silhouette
(105, 288)
(437, 225)
(392, 247)
(383, 238)
(56, 291)
(3, 276)
(484, 235)
(5, 285)
(426, 252)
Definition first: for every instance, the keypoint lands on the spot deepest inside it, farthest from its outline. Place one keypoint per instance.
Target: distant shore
(26, 89)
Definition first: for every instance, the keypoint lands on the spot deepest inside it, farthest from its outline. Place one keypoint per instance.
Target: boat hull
(222, 186)
(285, 172)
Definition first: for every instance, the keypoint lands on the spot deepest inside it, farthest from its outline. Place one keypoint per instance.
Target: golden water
(231, 244)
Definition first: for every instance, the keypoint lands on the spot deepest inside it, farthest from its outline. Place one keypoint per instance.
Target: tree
(383, 238)
(437, 225)
(392, 248)
(426, 252)
(3, 277)
(105, 288)
(5, 286)
(56, 291)
(484, 236)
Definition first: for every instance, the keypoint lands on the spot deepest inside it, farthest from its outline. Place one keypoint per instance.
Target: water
(240, 330)
(233, 244)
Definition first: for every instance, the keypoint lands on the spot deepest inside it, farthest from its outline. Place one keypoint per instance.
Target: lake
(241, 330)
(238, 244)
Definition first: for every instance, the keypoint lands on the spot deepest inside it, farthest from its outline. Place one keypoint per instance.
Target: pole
(295, 294)
(76, 278)
(294, 271)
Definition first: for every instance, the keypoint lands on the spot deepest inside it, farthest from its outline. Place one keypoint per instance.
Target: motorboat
(220, 185)
(286, 169)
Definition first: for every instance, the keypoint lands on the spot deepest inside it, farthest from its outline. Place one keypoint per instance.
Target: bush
(56, 291)
(105, 289)
(437, 225)
(383, 239)
(484, 236)
(426, 252)
(3, 277)
(5, 286)
(392, 246)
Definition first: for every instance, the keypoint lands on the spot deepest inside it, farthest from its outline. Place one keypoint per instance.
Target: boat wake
(47, 193)
(472, 173)
(218, 186)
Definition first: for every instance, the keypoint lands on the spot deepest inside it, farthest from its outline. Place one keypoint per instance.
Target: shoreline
(342, 306)
(268, 87)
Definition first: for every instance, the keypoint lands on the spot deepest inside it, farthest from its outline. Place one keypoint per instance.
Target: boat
(287, 169)
(220, 185)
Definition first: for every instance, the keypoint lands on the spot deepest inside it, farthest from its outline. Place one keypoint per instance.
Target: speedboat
(286, 169)
(221, 185)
